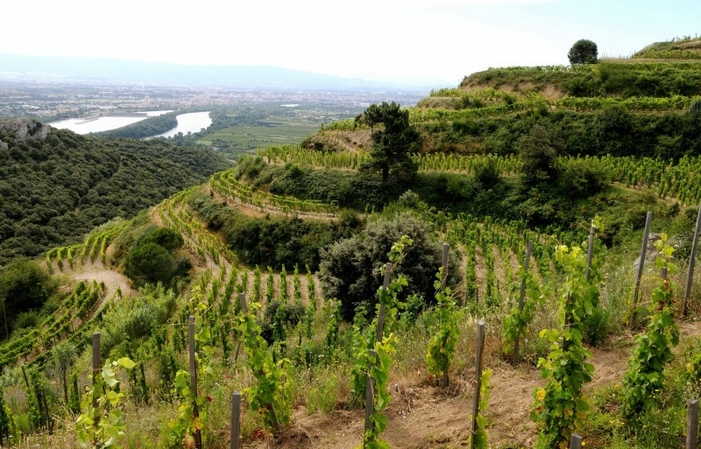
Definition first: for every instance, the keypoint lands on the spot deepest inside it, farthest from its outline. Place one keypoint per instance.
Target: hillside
(56, 186)
(618, 107)
(684, 48)
(271, 277)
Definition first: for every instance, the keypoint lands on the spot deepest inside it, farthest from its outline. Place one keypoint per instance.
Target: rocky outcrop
(24, 129)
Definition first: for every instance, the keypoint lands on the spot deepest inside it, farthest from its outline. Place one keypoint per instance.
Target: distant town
(56, 100)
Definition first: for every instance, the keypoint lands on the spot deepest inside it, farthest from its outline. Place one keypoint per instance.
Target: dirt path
(96, 271)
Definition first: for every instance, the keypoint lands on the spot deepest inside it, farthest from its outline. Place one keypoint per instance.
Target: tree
(392, 142)
(583, 51)
(24, 285)
(539, 150)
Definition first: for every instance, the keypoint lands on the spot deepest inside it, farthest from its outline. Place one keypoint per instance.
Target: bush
(351, 268)
(150, 263)
(281, 241)
(695, 107)
(582, 179)
(26, 319)
(539, 150)
(24, 286)
(168, 238)
(292, 315)
(487, 172)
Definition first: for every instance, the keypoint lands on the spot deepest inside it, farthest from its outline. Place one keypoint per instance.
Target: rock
(25, 129)
(651, 252)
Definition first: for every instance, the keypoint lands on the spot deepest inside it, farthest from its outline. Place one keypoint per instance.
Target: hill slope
(55, 186)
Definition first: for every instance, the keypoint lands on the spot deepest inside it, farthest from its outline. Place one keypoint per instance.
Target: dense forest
(149, 127)
(56, 186)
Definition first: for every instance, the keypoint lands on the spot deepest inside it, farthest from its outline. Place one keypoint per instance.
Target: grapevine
(645, 374)
(441, 348)
(376, 367)
(271, 394)
(560, 406)
(100, 426)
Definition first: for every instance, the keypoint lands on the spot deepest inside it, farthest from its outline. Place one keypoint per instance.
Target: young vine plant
(192, 411)
(516, 322)
(271, 395)
(377, 367)
(480, 434)
(101, 423)
(560, 406)
(441, 348)
(644, 377)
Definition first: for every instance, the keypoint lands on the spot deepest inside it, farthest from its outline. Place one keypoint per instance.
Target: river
(98, 124)
(192, 122)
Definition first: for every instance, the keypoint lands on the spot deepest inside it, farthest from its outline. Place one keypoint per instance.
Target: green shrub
(695, 107)
(24, 286)
(168, 238)
(26, 319)
(350, 268)
(150, 263)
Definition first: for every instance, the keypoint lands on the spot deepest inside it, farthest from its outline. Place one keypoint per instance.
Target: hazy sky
(375, 39)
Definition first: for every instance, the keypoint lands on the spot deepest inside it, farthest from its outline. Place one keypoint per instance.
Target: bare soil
(423, 416)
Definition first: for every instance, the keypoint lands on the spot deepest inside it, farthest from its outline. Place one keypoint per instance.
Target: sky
(384, 40)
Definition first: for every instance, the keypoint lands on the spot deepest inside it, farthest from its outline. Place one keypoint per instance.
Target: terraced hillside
(518, 171)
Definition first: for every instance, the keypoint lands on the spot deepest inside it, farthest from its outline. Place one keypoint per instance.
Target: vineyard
(678, 180)
(288, 309)
(538, 328)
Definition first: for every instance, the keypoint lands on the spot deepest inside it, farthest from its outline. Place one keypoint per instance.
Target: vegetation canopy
(583, 51)
(393, 138)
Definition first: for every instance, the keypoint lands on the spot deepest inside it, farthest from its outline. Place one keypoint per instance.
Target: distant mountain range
(67, 68)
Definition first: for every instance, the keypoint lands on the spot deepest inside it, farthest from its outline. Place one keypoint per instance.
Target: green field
(244, 138)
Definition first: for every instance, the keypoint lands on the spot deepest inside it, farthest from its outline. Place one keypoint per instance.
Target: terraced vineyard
(269, 332)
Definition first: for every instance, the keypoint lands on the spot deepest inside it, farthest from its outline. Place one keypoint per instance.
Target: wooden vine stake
(590, 252)
(95, 373)
(692, 425)
(244, 305)
(478, 381)
(575, 441)
(444, 278)
(235, 419)
(692, 261)
(95, 366)
(369, 396)
(515, 355)
(383, 308)
(193, 377)
(641, 266)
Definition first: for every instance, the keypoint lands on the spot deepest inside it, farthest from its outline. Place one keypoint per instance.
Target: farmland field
(246, 138)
